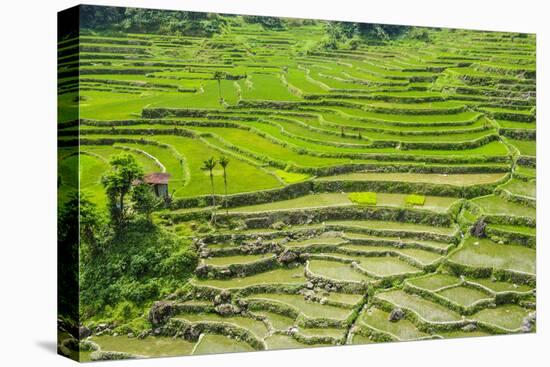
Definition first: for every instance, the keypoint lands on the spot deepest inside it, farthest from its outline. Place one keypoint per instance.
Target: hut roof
(158, 178)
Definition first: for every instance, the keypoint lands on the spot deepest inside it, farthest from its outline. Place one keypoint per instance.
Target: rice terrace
(249, 183)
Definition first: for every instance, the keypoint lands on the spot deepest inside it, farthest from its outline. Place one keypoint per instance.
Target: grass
(240, 259)
(303, 202)
(258, 328)
(522, 188)
(386, 266)
(279, 341)
(496, 205)
(278, 322)
(402, 330)
(508, 317)
(434, 282)
(209, 343)
(310, 309)
(278, 276)
(525, 147)
(464, 296)
(482, 252)
(498, 287)
(434, 203)
(429, 311)
(345, 298)
(396, 226)
(151, 346)
(444, 179)
(337, 271)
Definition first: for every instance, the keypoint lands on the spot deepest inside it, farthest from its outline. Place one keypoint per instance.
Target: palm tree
(208, 165)
(219, 75)
(224, 162)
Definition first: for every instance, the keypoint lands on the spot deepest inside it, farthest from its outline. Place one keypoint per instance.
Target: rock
(528, 323)
(84, 332)
(242, 303)
(226, 273)
(160, 312)
(157, 331)
(201, 271)
(278, 225)
(308, 294)
(70, 343)
(396, 314)
(309, 285)
(100, 355)
(87, 346)
(131, 335)
(478, 229)
(143, 335)
(223, 297)
(191, 333)
(227, 309)
(287, 257)
(469, 328)
(328, 287)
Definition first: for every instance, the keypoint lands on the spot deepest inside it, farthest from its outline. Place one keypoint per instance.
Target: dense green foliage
(136, 20)
(140, 265)
(119, 182)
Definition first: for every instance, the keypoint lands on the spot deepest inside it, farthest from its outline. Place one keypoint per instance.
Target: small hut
(159, 182)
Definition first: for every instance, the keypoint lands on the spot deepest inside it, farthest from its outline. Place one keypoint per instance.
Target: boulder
(529, 323)
(469, 328)
(278, 225)
(84, 332)
(223, 297)
(478, 228)
(396, 314)
(202, 271)
(227, 309)
(191, 333)
(160, 312)
(287, 257)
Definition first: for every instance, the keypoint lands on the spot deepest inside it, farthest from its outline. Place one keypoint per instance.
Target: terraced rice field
(292, 261)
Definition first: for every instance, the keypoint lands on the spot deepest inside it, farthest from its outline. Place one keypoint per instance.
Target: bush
(414, 199)
(363, 198)
(135, 267)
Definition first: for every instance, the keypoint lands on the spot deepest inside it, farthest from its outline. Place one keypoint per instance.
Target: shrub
(414, 199)
(363, 198)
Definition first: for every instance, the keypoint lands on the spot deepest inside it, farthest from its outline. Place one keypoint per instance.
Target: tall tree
(219, 75)
(224, 162)
(125, 170)
(208, 165)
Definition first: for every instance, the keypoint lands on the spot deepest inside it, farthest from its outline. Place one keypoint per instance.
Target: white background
(28, 181)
